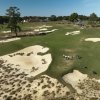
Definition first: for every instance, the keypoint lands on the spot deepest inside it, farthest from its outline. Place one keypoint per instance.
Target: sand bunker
(9, 40)
(93, 39)
(17, 86)
(6, 31)
(74, 78)
(43, 29)
(29, 60)
(45, 26)
(73, 33)
(17, 71)
(85, 86)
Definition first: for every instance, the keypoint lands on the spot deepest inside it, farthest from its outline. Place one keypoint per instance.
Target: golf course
(59, 44)
(49, 50)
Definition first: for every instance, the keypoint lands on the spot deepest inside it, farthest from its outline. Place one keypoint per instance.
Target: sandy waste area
(73, 33)
(6, 31)
(9, 40)
(18, 71)
(93, 39)
(84, 85)
(29, 60)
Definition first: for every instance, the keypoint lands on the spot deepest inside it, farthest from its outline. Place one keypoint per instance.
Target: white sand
(75, 78)
(83, 84)
(44, 26)
(6, 31)
(73, 33)
(17, 72)
(9, 40)
(93, 39)
(43, 29)
(42, 88)
(53, 30)
(36, 30)
(29, 59)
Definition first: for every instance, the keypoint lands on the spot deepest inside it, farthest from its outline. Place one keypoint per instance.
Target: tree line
(74, 17)
(12, 18)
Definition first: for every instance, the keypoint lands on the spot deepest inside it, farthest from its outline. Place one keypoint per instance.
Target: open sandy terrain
(74, 78)
(93, 39)
(6, 32)
(9, 40)
(73, 33)
(44, 26)
(44, 29)
(29, 60)
(18, 85)
(88, 87)
(17, 71)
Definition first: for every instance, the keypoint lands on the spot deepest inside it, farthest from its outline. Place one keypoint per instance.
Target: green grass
(59, 44)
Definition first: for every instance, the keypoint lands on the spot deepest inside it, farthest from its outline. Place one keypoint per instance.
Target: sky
(52, 7)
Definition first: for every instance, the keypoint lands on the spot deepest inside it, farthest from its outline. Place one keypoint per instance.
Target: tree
(73, 17)
(82, 17)
(53, 18)
(92, 19)
(14, 15)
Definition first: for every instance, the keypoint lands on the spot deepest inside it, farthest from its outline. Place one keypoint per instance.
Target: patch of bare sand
(74, 78)
(73, 33)
(93, 39)
(17, 76)
(9, 40)
(28, 60)
(85, 87)
(17, 86)
(6, 31)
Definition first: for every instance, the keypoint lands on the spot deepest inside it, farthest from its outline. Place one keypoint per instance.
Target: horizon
(46, 8)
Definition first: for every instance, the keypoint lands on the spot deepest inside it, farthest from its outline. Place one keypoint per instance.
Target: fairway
(59, 44)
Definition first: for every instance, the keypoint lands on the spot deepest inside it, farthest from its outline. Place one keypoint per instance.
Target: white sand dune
(73, 33)
(9, 40)
(93, 39)
(74, 78)
(28, 60)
